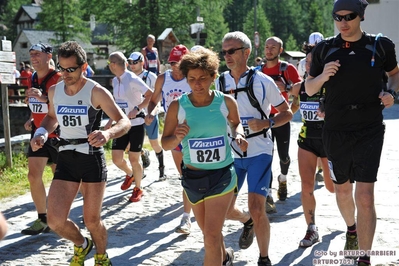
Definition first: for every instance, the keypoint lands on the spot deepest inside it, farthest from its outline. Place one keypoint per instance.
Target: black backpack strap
(144, 78)
(44, 82)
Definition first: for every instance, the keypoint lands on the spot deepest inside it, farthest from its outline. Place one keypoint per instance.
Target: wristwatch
(137, 108)
(271, 123)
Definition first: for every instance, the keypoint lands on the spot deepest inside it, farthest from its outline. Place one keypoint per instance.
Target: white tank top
(77, 116)
(173, 89)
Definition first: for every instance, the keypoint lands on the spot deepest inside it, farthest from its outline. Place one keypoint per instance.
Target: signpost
(7, 67)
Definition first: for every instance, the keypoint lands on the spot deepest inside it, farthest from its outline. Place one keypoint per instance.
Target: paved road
(142, 233)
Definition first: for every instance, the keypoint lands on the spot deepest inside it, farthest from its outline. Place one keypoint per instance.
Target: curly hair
(204, 59)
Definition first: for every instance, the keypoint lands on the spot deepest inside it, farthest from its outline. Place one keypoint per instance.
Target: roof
(37, 36)
(31, 10)
(168, 32)
(295, 54)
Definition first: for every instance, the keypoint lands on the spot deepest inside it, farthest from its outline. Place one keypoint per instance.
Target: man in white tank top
(76, 105)
(171, 85)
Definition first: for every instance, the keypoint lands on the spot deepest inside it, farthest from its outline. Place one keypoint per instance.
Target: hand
(98, 138)
(330, 69)
(242, 143)
(386, 99)
(28, 125)
(37, 142)
(148, 119)
(280, 85)
(320, 113)
(36, 93)
(182, 130)
(256, 125)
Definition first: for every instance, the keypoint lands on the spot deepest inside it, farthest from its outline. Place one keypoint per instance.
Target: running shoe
(128, 182)
(319, 177)
(102, 260)
(136, 195)
(80, 253)
(246, 237)
(145, 158)
(270, 206)
(230, 257)
(264, 262)
(282, 189)
(162, 175)
(36, 228)
(351, 243)
(184, 226)
(311, 237)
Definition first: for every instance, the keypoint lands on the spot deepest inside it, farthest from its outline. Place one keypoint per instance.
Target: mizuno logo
(206, 143)
(68, 110)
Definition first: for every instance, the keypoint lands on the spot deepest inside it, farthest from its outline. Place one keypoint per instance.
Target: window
(24, 45)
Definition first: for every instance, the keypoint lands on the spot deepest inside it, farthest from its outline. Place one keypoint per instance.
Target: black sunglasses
(133, 62)
(347, 17)
(69, 69)
(173, 63)
(231, 51)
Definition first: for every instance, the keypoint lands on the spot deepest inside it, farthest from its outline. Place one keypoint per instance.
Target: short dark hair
(72, 48)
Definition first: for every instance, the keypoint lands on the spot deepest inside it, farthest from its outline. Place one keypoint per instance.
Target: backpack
(249, 89)
(283, 67)
(374, 45)
(42, 85)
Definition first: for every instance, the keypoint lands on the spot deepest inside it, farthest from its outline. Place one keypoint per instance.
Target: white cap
(136, 56)
(196, 48)
(315, 38)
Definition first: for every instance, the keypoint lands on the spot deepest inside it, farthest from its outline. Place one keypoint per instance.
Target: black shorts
(135, 137)
(314, 146)
(354, 155)
(47, 151)
(79, 167)
(202, 184)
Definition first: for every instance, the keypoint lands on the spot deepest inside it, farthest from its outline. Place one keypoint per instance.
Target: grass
(14, 181)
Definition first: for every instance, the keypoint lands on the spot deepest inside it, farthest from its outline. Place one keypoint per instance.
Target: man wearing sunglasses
(76, 105)
(169, 86)
(132, 95)
(256, 164)
(136, 64)
(284, 79)
(44, 77)
(354, 76)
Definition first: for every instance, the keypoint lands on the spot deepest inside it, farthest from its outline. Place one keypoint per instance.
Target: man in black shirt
(360, 75)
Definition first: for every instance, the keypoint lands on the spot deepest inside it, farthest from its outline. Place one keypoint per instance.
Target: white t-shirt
(267, 94)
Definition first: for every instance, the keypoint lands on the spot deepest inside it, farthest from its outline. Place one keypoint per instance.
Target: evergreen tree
(64, 17)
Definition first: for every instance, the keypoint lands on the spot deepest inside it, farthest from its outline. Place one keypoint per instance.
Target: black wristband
(393, 93)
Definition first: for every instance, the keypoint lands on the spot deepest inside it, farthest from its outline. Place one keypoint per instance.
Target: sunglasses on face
(347, 17)
(231, 51)
(69, 69)
(133, 62)
(173, 63)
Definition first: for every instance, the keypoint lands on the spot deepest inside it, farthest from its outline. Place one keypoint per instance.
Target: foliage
(130, 21)
(8, 10)
(64, 17)
(263, 26)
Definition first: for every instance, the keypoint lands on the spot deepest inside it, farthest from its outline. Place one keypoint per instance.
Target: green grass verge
(14, 181)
